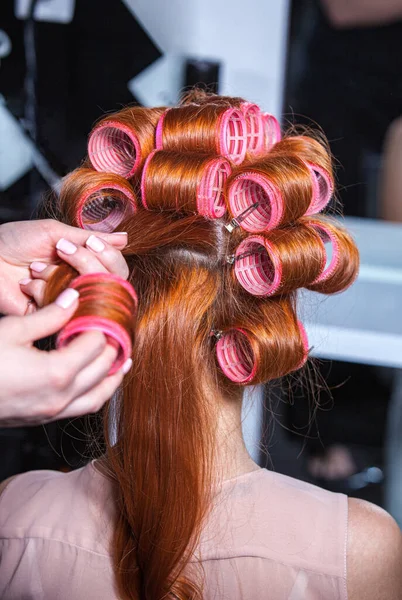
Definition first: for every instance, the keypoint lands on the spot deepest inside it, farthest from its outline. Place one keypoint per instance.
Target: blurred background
(328, 63)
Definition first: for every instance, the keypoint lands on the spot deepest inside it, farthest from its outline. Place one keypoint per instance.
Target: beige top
(268, 536)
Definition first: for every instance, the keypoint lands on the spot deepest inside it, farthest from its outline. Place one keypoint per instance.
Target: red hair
(183, 268)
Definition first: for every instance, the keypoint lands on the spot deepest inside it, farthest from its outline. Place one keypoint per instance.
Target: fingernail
(38, 267)
(127, 366)
(95, 244)
(65, 246)
(119, 233)
(25, 281)
(67, 298)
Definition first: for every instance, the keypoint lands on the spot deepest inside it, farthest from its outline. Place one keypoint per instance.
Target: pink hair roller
(235, 356)
(210, 197)
(332, 256)
(114, 148)
(255, 202)
(115, 333)
(231, 141)
(257, 266)
(210, 193)
(323, 188)
(100, 213)
(255, 128)
(272, 131)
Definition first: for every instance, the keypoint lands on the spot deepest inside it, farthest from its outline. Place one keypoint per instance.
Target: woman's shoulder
(55, 505)
(280, 519)
(374, 553)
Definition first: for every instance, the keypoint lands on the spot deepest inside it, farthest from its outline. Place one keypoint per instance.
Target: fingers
(87, 376)
(40, 270)
(97, 257)
(77, 236)
(35, 288)
(45, 322)
(93, 401)
(68, 362)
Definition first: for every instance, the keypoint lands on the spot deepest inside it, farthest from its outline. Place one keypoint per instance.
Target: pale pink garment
(268, 537)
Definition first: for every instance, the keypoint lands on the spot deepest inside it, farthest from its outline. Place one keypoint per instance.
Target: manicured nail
(67, 298)
(24, 281)
(95, 244)
(65, 246)
(38, 267)
(127, 366)
(119, 233)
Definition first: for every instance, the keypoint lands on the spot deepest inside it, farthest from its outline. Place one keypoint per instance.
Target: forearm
(361, 13)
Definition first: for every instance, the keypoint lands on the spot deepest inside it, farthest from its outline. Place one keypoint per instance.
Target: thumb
(46, 321)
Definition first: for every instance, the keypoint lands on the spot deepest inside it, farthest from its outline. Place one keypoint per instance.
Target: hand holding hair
(25, 242)
(55, 385)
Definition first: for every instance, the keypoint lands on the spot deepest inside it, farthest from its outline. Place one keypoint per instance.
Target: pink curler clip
(236, 357)
(252, 188)
(323, 188)
(255, 127)
(114, 148)
(272, 131)
(116, 334)
(331, 249)
(258, 267)
(210, 193)
(105, 211)
(304, 337)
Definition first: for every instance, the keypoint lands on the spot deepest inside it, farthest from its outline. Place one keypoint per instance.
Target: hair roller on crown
(259, 350)
(108, 304)
(342, 256)
(279, 262)
(120, 143)
(262, 132)
(319, 161)
(272, 131)
(96, 201)
(214, 129)
(271, 192)
(191, 183)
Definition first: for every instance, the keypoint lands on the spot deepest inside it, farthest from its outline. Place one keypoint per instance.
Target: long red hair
(160, 438)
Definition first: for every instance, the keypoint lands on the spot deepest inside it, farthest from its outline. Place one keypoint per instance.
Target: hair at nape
(223, 223)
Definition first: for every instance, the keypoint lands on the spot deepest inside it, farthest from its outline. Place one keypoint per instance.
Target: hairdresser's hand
(97, 256)
(25, 242)
(38, 386)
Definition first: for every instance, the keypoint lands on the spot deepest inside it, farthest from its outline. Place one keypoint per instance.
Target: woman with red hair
(223, 229)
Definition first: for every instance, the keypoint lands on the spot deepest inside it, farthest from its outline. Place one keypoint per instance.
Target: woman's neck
(232, 457)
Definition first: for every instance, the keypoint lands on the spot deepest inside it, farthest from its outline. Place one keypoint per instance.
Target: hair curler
(104, 206)
(272, 191)
(272, 131)
(185, 182)
(210, 129)
(107, 303)
(279, 262)
(121, 143)
(235, 356)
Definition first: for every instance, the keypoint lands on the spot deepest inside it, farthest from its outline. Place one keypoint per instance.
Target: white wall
(249, 38)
